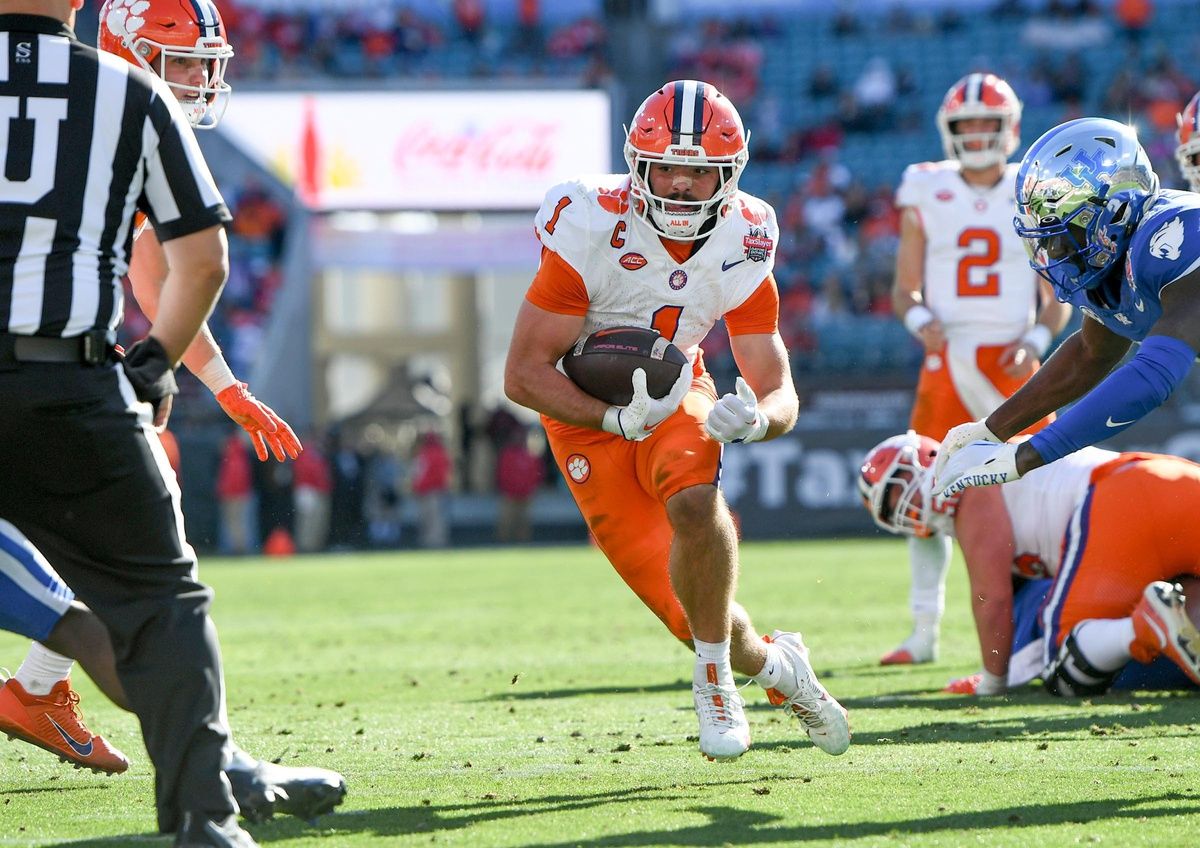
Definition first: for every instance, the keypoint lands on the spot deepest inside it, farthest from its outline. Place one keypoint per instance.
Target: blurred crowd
(376, 486)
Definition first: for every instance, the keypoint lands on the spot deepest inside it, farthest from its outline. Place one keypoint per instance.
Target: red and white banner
(424, 150)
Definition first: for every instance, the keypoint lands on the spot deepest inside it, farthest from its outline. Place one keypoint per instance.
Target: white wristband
(612, 421)
(917, 317)
(216, 375)
(1038, 337)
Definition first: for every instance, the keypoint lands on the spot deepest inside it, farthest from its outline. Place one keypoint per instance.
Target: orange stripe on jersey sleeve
(557, 287)
(759, 313)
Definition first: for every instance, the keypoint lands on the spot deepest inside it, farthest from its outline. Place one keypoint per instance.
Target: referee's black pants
(89, 484)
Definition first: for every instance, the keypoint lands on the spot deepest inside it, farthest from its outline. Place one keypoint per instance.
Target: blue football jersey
(1165, 247)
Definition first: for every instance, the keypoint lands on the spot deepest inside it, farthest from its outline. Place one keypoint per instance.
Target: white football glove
(958, 438)
(978, 464)
(637, 420)
(736, 417)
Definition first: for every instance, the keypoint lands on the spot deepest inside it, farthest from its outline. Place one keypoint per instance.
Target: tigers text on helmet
(903, 464)
(984, 96)
(151, 33)
(1187, 154)
(689, 123)
(1081, 190)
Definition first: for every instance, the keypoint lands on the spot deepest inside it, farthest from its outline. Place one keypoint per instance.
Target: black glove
(149, 370)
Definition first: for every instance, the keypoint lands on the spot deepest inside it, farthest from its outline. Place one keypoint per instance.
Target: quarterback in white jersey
(673, 245)
(964, 288)
(1113, 598)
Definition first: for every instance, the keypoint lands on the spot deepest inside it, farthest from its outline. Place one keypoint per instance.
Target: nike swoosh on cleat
(725, 266)
(80, 749)
(1111, 423)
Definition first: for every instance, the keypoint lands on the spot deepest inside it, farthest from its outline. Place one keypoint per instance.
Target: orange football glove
(265, 427)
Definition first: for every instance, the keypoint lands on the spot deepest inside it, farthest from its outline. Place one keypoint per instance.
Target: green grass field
(525, 698)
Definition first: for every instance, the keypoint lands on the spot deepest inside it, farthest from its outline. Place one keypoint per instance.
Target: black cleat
(303, 792)
(198, 831)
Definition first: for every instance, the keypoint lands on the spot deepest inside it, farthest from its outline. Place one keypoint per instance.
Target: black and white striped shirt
(85, 140)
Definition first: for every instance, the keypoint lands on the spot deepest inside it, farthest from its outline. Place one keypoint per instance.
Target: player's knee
(1071, 675)
(694, 508)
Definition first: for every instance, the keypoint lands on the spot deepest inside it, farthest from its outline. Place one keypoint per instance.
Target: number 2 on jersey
(666, 321)
(984, 247)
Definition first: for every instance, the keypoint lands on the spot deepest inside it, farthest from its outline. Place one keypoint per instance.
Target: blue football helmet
(1081, 190)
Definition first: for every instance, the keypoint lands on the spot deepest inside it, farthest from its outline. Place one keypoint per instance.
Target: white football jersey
(977, 276)
(1040, 506)
(630, 277)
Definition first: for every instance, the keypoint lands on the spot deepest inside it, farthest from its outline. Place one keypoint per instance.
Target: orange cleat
(54, 722)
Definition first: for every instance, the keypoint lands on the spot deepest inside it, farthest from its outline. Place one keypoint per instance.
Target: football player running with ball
(673, 245)
(964, 289)
(1127, 254)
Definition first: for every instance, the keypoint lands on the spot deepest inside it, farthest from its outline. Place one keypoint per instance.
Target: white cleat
(824, 719)
(920, 647)
(724, 731)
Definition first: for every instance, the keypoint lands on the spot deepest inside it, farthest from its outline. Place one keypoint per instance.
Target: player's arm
(269, 433)
(984, 532)
(908, 300)
(1076, 367)
(762, 361)
(539, 340)
(1133, 390)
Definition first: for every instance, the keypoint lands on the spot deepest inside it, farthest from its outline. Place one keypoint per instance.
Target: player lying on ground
(1114, 531)
(675, 246)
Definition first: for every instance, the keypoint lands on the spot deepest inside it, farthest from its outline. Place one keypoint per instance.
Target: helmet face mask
(1187, 153)
(685, 123)
(151, 33)
(1081, 190)
(980, 96)
(896, 485)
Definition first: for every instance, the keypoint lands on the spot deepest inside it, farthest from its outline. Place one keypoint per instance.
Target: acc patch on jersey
(632, 261)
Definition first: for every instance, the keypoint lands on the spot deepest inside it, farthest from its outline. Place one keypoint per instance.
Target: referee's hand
(149, 371)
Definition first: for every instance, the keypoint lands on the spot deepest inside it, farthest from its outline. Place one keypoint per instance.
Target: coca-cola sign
(443, 150)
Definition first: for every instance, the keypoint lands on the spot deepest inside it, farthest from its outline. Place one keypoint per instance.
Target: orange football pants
(622, 488)
(1137, 524)
(937, 406)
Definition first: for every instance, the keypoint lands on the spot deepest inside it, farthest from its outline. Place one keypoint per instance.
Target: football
(603, 363)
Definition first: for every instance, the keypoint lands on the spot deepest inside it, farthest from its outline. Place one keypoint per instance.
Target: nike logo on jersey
(1111, 423)
(725, 266)
(1139, 306)
(79, 748)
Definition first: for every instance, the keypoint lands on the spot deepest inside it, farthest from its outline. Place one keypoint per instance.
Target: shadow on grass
(679, 685)
(725, 824)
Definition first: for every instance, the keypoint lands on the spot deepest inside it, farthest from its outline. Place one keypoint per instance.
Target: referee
(86, 140)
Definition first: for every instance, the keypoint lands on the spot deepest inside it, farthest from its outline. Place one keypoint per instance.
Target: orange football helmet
(686, 122)
(151, 32)
(980, 96)
(904, 462)
(1188, 151)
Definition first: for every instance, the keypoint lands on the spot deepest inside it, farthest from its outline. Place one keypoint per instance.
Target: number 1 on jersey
(666, 321)
(562, 204)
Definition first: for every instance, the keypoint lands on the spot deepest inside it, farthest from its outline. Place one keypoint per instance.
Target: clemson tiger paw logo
(125, 16)
(579, 468)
